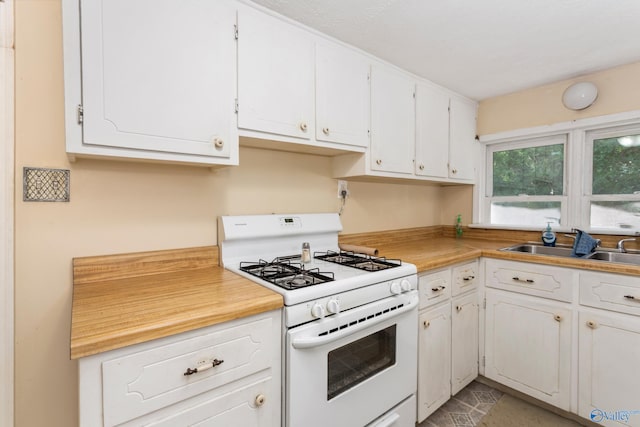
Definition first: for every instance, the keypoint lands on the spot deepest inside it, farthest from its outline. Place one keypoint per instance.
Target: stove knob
(333, 306)
(317, 311)
(396, 289)
(405, 285)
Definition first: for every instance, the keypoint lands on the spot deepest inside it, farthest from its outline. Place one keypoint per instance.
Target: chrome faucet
(620, 246)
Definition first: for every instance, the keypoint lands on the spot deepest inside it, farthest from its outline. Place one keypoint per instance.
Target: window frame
(575, 209)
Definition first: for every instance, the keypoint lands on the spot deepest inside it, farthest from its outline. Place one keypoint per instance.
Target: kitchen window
(583, 174)
(612, 182)
(526, 181)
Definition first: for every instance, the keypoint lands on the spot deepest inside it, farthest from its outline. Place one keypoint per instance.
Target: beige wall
(618, 91)
(120, 207)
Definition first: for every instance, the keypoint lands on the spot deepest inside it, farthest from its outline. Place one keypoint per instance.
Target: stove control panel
(335, 305)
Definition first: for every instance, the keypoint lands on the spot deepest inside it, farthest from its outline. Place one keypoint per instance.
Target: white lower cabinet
(237, 382)
(448, 335)
(434, 359)
(528, 345)
(464, 341)
(609, 349)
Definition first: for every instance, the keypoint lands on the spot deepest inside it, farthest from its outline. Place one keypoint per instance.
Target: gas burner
(359, 261)
(287, 275)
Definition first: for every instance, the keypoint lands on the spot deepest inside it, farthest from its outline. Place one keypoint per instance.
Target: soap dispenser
(548, 236)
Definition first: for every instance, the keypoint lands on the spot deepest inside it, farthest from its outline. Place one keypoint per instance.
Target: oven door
(350, 368)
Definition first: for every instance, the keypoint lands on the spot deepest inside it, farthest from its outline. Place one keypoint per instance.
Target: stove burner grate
(282, 272)
(359, 261)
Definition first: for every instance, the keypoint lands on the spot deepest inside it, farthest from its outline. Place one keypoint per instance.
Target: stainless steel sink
(565, 251)
(532, 248)
(625, 258)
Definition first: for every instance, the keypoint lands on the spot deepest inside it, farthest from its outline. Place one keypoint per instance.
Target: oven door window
(353, 363)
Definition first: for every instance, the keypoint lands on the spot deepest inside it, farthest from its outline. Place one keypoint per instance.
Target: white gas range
(350, 336)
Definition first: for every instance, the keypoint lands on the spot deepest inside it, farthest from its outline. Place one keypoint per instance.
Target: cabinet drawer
(610, 291)
(464, 278)
(532, 279)
(144, 381)
(434, 287)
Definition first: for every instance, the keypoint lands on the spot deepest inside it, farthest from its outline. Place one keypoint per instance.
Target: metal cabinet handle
(557, 317)
(325, 131)
(213, 363)
(421, 167)
(219, 143)
(466, 279)
(517, 279)
(438, 288)
(378, 162)
(631, 297)
(260, 399)
(592, 324)
(454, 171)
(426, 323)
(458, 307)
(303, 127)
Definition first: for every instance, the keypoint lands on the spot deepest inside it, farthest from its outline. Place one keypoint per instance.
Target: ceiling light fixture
(579, 96)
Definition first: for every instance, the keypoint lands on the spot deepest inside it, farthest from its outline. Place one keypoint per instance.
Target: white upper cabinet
(432, 131)
(463, 148)
(445, 135)
(342, 95)
(392, 120)
(275, 76)
(157, 81)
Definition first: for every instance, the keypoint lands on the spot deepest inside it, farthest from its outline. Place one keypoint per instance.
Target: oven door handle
(317, 341)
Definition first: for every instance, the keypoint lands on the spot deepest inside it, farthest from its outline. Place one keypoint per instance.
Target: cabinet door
(464, 341)
(608, 375)
(432, 132)
(528, 345)
(275, 75)
(463, 148)
(392, 120)
(158, 77)
(342, 96)
(434, 359)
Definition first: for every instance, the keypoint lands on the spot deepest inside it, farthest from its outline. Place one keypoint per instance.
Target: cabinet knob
(219, 143)
(438, 288)
(378, 162)
(325, 131)
(458, 307)
(467, 278)
(303, 127)
(260, 400)
(557, 317)
(421, 167)
(592, 324)
(426, 323)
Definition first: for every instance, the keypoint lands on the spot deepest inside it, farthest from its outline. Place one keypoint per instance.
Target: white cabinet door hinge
(484, 303)
(80, 114)
(483, 361)
(235, 31)
(236, 106)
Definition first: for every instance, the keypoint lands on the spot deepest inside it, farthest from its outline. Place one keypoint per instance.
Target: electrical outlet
(343, 190)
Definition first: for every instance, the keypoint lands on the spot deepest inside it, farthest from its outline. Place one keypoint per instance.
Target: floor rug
(510, 411)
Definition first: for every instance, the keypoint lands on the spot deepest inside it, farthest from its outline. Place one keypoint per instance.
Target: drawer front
(464, 278)
(434, 287)
(142, 382)
(611, 292)
(532, 279)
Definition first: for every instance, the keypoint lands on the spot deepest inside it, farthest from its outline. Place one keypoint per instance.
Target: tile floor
(465, 408)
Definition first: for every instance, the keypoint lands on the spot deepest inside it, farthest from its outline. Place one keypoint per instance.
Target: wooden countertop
(428, 249)
(121, 300)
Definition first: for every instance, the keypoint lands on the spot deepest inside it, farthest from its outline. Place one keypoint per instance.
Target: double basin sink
(565, 251)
